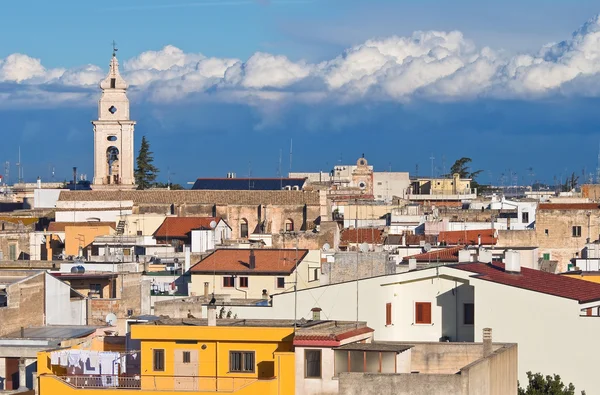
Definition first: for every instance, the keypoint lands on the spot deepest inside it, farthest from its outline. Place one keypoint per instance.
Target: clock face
(112, 109)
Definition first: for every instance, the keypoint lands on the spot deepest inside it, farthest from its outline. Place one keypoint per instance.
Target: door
(186, 370)
(12, 374)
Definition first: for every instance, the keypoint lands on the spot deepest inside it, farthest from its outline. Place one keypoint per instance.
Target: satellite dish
(213, 224)
(111, 319)
(364, 247)
(427, 247)
(326, 247)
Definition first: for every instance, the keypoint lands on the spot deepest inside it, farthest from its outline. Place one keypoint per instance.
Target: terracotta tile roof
(449, 254)
(361, 235)
(60, 226)
(333, 339)
(180, 227)
(196, 197)
(469, 237)
(569, 206)
(410, 239)
(232, 261)
(536, 280)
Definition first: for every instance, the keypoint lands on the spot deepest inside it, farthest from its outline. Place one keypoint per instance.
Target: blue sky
(221, 86)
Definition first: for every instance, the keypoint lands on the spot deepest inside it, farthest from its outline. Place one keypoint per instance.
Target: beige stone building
(561, 231)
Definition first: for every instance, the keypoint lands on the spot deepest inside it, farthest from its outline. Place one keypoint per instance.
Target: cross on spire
(115, 49)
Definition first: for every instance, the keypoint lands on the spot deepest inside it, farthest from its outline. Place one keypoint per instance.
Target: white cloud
(18, 68)
(434, 65)
(164, 59)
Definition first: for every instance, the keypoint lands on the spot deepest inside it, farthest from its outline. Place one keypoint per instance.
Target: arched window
(289, 225)
(243, 227)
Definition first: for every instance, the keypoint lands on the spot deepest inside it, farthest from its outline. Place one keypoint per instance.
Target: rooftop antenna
(6, 172)
(115, 49)
(598, 168)
(19, 169)
(290, 156)
(417, 170)
(432, 165)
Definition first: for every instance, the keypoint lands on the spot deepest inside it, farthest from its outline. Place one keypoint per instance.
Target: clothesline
(109, 364)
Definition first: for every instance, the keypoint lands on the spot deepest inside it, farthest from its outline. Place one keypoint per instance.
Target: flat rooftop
(54, 332)
(375, 346)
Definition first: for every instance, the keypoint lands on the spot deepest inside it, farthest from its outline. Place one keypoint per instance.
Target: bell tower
(113, 134)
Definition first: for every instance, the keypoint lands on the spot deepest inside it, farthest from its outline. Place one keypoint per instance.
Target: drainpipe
(241, 290)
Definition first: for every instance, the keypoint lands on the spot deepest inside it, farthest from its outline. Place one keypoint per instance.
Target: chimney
(479, 239)
(487, 342)
(252, 260)
(265, 294)
(206, 290)
(403, 242)
(212, 315)
(74, 175)
(316, 313)
(412, 264)
(39, 183)
(512, 261)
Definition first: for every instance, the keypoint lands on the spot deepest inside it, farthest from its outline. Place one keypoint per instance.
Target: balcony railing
(161, 383)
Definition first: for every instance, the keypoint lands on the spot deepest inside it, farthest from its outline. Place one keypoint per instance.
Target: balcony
(51, 384)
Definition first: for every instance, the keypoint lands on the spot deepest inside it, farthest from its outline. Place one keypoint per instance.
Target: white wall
(315, 386)
(549, 330)
(84, 216)
(45, 198)
(386, 185)
(60, 309)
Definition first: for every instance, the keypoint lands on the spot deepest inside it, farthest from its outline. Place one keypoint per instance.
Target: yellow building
(242, 357)
(593, 277)
(442, 186)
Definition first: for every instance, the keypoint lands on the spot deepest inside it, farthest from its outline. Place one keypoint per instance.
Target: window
(159, 360)
(228, 282)
(576, 231)
(315, 274)
(525, 218)
(312, 364)
(113, 83)
(241, 361)
(244, 228)
(186, 357)
(547, 257)
(289, 225)
(12, 252)
(422, 313)
(469, 314)
(96, 289)
(243, 282)
(280, 282)
(388, 314)
(546, 232)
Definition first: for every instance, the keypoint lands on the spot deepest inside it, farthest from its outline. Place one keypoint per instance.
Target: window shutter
(388, 314)
(423, 313)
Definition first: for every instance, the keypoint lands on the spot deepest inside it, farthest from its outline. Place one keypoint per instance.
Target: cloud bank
(434, 65)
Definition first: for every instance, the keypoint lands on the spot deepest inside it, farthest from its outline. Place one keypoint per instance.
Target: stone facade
(135, 298)
(344, 268)
(25, 305)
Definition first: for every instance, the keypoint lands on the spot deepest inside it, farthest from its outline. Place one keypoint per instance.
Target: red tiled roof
(330, 340)
(268, 261)
(361, 235)
(536, 280)
(175, 227)
(60, 226)
(468, 237)
(569, 206)
(449, 254)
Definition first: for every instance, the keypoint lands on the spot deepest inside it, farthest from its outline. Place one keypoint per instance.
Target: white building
(532, 308)
(525, 216)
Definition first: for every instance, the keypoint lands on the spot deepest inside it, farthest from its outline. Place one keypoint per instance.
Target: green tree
(145, 172)
(462, 167)
(549, 385)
